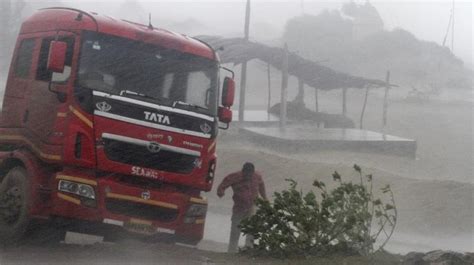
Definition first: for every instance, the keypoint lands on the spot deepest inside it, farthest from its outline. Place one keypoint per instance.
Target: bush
(347, 219)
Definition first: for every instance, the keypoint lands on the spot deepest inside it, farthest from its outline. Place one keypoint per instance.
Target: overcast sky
(426, 19)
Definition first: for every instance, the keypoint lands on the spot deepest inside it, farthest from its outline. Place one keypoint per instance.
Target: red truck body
(131, 142)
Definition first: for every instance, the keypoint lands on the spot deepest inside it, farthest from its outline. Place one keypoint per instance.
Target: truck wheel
(153, 239)
(43, 233)
(188, 241)
(14, 196)
(113, 235)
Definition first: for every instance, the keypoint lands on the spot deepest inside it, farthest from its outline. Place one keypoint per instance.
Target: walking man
(246, 185)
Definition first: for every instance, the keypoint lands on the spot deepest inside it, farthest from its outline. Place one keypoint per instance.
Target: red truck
(107, 122)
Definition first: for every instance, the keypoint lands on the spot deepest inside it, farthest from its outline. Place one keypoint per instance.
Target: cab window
(24, 58)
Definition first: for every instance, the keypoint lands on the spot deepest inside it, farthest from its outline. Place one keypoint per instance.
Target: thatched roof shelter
(238, 50)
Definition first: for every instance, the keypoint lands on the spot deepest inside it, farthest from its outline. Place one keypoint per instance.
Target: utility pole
(452, 32)
(284, 88)
(385, 100)
(344, 103)
(449, 27)
(243, 77)
(316, 104)
(269, 80)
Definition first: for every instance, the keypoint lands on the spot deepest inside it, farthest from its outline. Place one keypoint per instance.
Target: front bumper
(138, 210)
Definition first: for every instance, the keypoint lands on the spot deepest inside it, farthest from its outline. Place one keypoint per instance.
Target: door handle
(26, 115)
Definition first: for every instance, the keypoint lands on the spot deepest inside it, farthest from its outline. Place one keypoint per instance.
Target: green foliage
(322, 222)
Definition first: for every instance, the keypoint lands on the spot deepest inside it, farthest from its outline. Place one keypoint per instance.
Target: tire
(188, 241)
(153, 239)
(43, 233)
(171, 239)
(113, 235)
(14, 197)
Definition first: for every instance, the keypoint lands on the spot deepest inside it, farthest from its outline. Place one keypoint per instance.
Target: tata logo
(197, 163)
(205, 128)
(156, 117)
(103, 106)
(153, 147)
(146, 195)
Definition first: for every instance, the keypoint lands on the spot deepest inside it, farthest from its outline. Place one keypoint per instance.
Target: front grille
(140, 210)
(138, 155)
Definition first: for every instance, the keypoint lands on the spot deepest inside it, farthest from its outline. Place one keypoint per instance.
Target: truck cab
(109, 121)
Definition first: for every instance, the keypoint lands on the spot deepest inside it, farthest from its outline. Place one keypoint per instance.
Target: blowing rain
(236, 132)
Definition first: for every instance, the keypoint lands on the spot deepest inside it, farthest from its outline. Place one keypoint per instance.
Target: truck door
(19, 79)
(42, 104)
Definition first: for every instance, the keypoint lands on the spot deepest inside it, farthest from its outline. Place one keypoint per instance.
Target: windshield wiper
(181, 103)
(129, 92)
(175, 103)
(133, 93)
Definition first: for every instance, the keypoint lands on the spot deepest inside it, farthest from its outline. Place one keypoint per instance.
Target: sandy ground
(434, 193)
(432, 214)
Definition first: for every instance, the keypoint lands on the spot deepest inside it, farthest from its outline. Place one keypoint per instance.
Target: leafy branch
(347, 218)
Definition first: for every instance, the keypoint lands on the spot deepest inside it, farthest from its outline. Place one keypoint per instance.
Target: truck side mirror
(225, 115)
(228, 91)
(57, 56)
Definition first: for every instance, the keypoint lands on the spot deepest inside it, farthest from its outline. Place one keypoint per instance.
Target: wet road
(129, 252)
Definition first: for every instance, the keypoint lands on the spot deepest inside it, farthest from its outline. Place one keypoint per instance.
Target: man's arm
(226, 182)
(261, 189)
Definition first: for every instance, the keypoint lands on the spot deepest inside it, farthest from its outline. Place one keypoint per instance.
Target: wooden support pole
(243, 77)
(284, 88)
(344, 104)
(385, 100)
(243, 84)
(300, 97)
(316, 103)
(269, 80)
(363, 107)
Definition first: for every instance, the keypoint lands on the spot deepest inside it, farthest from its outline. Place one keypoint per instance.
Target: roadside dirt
(134, 252)
(433, 214)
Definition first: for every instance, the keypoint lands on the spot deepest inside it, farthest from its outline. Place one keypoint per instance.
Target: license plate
(140, 228)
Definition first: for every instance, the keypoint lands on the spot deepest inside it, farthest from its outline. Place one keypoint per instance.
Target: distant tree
(326, 37)
(357, 44)
(365, 17)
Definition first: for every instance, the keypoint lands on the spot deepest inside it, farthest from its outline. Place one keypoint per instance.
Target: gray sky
(426, 19)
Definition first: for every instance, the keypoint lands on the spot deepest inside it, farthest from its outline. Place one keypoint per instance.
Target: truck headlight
(79, 189)
(211, 171)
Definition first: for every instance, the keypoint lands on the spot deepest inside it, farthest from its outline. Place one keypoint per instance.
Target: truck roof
(69, 19)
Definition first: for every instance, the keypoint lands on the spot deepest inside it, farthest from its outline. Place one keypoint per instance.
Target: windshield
(148, 72)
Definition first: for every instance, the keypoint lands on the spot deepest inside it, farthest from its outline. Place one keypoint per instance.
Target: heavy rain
(236, 132)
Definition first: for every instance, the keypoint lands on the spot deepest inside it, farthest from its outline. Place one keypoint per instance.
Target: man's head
(248, 169)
